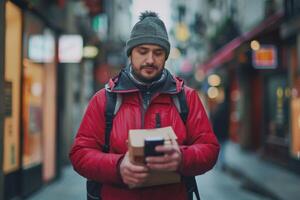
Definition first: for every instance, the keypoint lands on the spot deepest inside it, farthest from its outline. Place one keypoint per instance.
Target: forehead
(149, 47)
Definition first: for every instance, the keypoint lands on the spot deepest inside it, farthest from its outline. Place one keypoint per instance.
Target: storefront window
(278, 107)
(295, 101)
(39, 96)
(235, 110)
(32, 114)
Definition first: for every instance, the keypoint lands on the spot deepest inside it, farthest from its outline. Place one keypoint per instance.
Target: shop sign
(100, 25)
(265, 57)
(70, 48)
(41, 48)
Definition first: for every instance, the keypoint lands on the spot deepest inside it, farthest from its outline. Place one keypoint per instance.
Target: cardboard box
(136, 153)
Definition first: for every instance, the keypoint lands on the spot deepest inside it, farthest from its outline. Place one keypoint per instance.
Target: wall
(13, 43)
(71, 110)
(2, 21)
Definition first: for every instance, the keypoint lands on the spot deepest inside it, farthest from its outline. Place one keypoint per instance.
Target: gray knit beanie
(149, 30)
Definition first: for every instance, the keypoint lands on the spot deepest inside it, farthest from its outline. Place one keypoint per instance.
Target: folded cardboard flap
(136, 153)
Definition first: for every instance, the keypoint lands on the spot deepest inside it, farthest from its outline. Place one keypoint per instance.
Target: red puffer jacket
(197, 141)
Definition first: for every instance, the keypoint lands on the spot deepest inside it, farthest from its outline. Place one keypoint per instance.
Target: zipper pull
(158, 121)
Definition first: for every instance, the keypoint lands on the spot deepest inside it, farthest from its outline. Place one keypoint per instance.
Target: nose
(149, 59)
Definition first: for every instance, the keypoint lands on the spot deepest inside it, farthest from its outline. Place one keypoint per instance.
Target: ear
(128, 61)
(166, 57)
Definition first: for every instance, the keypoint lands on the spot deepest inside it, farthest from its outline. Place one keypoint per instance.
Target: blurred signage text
(70, 48)
(41, 48)
(265, 57)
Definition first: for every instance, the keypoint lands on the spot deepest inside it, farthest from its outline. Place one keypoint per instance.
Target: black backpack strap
(195, 187)
(184, 110)
(92, 190)
(113, 103)
(196, 191)
(179, 100)
(191, 185)
(111, 99)
(181, 104)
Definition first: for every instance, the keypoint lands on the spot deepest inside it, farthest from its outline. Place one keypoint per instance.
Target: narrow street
(80, 75)
(213, 185)
(69, 187)
(245, 177)
(217, 184)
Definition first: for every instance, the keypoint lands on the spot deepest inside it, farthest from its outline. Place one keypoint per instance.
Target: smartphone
(150, 144)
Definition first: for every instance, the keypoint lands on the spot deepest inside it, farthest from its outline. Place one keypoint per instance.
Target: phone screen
(150, 144)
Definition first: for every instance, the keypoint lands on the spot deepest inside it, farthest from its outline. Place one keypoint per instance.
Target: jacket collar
(123, 84)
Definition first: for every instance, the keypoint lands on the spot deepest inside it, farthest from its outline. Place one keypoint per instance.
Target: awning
(267, 24)
(223, 55)
(226, 52)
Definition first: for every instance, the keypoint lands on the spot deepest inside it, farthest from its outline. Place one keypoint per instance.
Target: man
(147, 89)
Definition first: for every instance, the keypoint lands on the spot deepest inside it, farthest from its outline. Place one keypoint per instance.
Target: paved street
(70, 187)
(215, 185)
(245, 177)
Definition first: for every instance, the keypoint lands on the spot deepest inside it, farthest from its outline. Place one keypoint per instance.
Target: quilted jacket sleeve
(201, 152)
(86, 155)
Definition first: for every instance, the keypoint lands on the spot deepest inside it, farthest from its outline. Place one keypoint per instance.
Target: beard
(145, 79)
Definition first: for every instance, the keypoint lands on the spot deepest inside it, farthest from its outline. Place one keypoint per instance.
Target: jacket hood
(123, 84)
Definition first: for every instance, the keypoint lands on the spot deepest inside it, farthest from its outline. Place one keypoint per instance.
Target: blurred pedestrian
(147, 89)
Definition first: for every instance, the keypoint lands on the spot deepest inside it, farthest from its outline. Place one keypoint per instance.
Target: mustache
(149, 65)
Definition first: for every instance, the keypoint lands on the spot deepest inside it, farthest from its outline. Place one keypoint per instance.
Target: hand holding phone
(150, 144)
(171, 160)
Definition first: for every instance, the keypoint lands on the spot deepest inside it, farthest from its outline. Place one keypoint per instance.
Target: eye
(159, 53)
(142, 51)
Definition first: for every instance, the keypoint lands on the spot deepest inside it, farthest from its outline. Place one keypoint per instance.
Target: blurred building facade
(2, 32)
(54, 56)
(243, 55)
(258, 66)
(29, 84)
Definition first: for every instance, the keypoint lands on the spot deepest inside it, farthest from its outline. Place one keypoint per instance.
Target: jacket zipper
(143, 116)
(143, 111)
(157, 120)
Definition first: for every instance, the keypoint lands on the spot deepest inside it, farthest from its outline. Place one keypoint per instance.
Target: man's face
(148, 61)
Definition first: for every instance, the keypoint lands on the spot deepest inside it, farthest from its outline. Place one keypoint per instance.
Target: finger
(137, 168)
(135, 178)
(138, 175)
(159, 159)
(172, 166)
(167, 149)
(163, 159)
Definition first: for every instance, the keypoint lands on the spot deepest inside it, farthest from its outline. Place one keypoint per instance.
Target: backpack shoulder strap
(191, 184)
(113, 103)
(180, 102)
